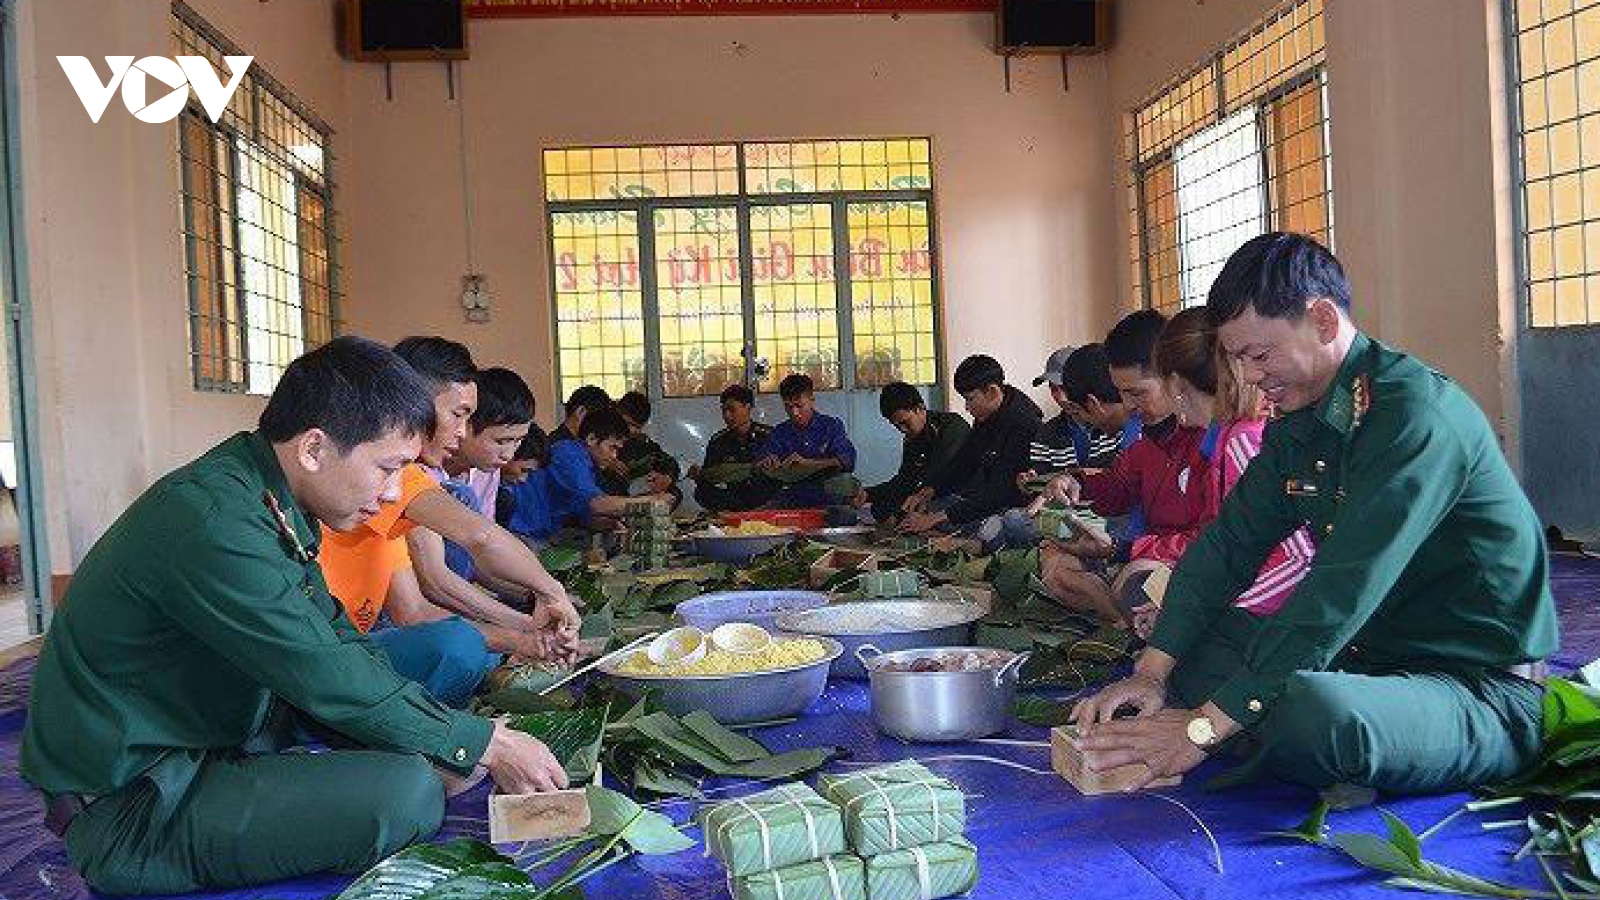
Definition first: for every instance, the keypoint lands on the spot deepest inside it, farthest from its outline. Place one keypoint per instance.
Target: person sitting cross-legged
(809, 443)
(1407, 659)
(728, 480)
(198, 646)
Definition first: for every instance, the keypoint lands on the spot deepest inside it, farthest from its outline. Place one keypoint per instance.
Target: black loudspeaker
(385, 30)
(1054, 26)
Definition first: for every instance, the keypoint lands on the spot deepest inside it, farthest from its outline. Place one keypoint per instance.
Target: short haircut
(1088, 374)
(978, 372)
(440, 360)
(604, 424)
(589, 398)
(535, 446)
(503, 399)
(739, 393)
(899, 397)
(1278, 275)
(796, 385)
(635, 406)
(1132, 343)
(354, 390)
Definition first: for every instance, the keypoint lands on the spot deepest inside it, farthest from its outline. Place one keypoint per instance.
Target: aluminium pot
(941, 706)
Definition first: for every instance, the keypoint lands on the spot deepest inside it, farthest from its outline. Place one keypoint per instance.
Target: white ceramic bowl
(679, 647)
(741, 637)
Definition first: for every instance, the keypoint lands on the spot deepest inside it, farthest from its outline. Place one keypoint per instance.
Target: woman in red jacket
(1219, 428)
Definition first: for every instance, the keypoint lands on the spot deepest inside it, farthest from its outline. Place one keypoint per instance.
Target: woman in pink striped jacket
(1207, 390)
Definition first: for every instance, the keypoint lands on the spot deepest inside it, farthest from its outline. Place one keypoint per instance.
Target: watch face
(1201, 731)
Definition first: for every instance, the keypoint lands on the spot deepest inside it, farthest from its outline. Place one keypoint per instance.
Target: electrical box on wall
(475, 299)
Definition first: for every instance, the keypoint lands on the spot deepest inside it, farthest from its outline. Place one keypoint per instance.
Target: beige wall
(116, 409)
(1019, 178)
(1029, 186)
(1414, 144)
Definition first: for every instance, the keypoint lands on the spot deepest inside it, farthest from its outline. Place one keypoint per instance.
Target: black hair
(1278, 275)
(353, 389)
(441, 361)
(1088, 374)
(603, 424)
(739, 393)
(796, 385)
(898, 397)
(535, 446)
(590, 398)
(978, 372)
(635, 406)
(503, 399)
(1132, 343)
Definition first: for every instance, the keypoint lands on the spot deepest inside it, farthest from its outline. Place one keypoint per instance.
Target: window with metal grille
(1233, 148)
(1556, 71)
(682, 269)
(259, 242)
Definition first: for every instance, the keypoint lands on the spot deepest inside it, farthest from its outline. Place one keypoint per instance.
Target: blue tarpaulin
(1036, 836)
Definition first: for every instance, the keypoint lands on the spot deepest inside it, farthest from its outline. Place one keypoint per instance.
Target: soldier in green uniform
(198, 641)
(1404, 660)
(735, 449)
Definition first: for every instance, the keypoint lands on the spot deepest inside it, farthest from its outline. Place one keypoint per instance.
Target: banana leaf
(646, 832)
(598, 624)
(573, 736)
(701, 575)
(1571, 743)
(1010, 572)
(793, 474)
(560, 559)
(461, 868)
(733, 747)
(727, 473)
(1042, 711)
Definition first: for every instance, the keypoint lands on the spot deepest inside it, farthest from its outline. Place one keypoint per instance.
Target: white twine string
(833, 879)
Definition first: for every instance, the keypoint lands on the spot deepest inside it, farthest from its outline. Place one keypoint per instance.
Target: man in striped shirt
(1093, 428)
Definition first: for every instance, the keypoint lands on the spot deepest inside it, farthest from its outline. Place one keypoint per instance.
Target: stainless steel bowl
(941, 706)
(736, 699)
(845, 535)
(737, 549)
(886, 624)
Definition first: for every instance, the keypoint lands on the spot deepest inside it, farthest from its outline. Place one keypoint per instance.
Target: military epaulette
(1361, 400)
(286, 531)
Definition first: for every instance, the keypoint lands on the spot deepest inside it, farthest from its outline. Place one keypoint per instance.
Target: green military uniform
(729, 447)
(642, 456)
(1390, 665)
(924, 452)
(191, 630)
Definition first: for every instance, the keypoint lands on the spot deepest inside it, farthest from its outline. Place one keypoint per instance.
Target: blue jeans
(447, 657)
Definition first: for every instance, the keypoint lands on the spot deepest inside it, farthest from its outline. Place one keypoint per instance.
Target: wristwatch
(1201, 732)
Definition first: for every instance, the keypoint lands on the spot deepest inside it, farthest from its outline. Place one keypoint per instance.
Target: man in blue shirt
(806, 450)
(567, 492)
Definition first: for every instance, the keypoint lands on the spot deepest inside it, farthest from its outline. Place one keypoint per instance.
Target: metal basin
(845, 535)
(886, 624)
(763, 608)
(736, 699)
(735, 549)
(941, 706)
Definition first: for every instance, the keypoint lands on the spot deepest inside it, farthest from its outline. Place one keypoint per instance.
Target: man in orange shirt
(450, 640)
